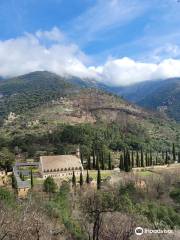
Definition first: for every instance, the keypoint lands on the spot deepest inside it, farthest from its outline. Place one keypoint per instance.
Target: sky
(118, 42)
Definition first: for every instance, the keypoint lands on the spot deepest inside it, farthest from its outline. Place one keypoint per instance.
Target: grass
(144, 173)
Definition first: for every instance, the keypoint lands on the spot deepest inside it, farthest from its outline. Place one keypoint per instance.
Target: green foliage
(98, 179)
(81, 181)
(87, 178)
(61, 207)
(49, 185)
(6, 159)
(7, 197)
(32, 180)
(175, 194)
(73, 180)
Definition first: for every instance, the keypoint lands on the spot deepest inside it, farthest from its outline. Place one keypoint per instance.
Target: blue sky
(93, 37)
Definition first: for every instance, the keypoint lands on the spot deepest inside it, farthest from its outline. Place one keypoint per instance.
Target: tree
(98, 179)
(87, 178)
(150, 158)
(174, 152)
(74, 180)
(137, 159)
(94, 160)
(49, 185)
(178, 157)
(166, 158)
(142, 158)
(110, 163)
(32, 180)
(121, 163)
(102, 160)
(132, 158)
(127, 162)
(14, 182)
(89, 163)
(81, 179)
(7, 159)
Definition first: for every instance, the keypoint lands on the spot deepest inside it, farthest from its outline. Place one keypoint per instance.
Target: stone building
(60, 166)
(23, 187)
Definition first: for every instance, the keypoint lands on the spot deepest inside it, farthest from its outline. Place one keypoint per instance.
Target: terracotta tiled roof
(60, 162)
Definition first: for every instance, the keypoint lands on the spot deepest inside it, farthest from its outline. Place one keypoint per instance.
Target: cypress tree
(150, 158)
(137, 159)
(132, 158)
(87, 178)
(98, 179)
(166, 158)
(142, 158)
(127, 163)
(178, 157)
(102, 161)
(74, 180)
(174, 152)
(89, 163)
(94, 160)
(14, 182)
(121, 163)
(146, 159)
(162, 155)
(81, 179)
(156, 159)
(21, 176)
(32, 180)
(97, 161)
(81, 157)
(109, 163)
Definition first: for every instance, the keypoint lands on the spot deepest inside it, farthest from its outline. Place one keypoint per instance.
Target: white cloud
(126, 71)
(53, 35)
(31, 53)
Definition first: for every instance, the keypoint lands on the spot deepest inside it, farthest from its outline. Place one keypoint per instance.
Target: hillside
(25, 92)
(40, 103)
(161, 95)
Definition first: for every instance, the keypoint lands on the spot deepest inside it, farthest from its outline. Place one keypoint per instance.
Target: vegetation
(49, 185)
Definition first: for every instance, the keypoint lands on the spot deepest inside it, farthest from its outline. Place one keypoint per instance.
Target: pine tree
(87, 178)
(109, 163)
(32, 180)
(98, 179)
(81, 179)
(74, 180)
(174, 152)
